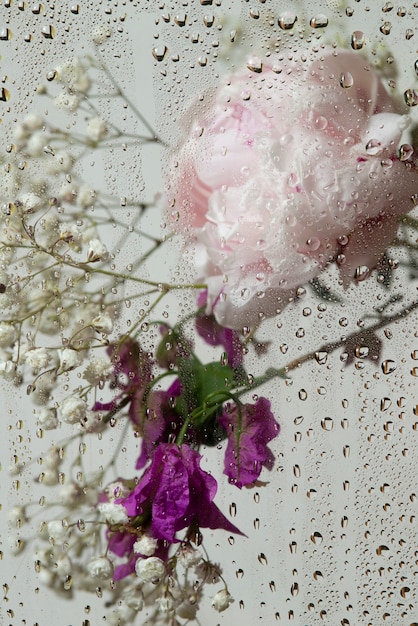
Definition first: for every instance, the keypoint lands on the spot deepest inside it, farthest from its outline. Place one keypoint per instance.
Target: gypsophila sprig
(130, 390)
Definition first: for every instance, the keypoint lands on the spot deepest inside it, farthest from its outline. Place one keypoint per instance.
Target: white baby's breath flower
(36, 144)
(7, 335)
(86, 197)
(113, 513)
(188, 556)
(98, 370)
(222, 600)
(73, 410)
(97, 251)
(37, 358)
(165, 604)
(68, 192)
(100, 34)
(146, 545)
(150, 570)
(47, 418)
(31, 202)
(53, 458)
(133, 597)
(96, 129)
(62, 566)
(49, 477)
(66, 101)
(70, 359)
(73, 74)
(61, 162)
(17, 515)
(57, 530)
(30, 123)
(100, 567)
(102, 323)
(92, 422)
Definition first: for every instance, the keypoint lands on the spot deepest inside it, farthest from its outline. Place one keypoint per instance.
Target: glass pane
(208, 339)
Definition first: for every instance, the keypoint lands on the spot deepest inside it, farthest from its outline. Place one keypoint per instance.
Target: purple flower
(132, 373)
(177, 492)
(161, 422)
(216, 335)
(249, 427)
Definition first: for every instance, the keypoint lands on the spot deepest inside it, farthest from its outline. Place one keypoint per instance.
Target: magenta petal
(172, 497)
(249, 432)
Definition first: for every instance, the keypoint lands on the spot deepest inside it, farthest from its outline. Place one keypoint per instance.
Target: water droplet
(262, 558)
(318, 575)
(357, 40)
(385, 404)
(255, 65)
(362, 272)
(409, 33)
(287, 21)
(388, 366)
(321, 357)
(411, 97)
(255, 14)
(346, 80)
(405, 151)
(319, 21)
(68, 583)
(385, 28)
(180, 20)
(327, 423)
(159, 53)
(233, 509)
(272, 586)
(208, 20)
(373, 147)
(294, 589)
(5, 34)
(48, 31)
(316, 538)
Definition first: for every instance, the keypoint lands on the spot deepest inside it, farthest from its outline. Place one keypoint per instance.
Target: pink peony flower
(282, 172)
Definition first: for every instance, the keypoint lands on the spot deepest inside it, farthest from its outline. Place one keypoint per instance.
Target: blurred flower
(216, 335)
(151, 569)
(221, 600)
(175, 491)
(285, 172)
(250, 427)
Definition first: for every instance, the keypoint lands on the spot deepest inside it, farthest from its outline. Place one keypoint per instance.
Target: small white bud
(66, 102)
(150, 570)
(47, 418)
(113, 513)
(146, 545)
(100, 567)
(96, 129)
(57, 530)
(7, 335)
(102, 323)
(97, 251)
(221, 600)
(73, 410)
(70, 359)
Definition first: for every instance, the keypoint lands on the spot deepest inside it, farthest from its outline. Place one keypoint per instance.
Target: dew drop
(159, 53)
(287, 21)
(411, 97)
(388, 366)
(262, 558)
(357, 40)
(319, 21)
(327, 423)
(346, 80)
